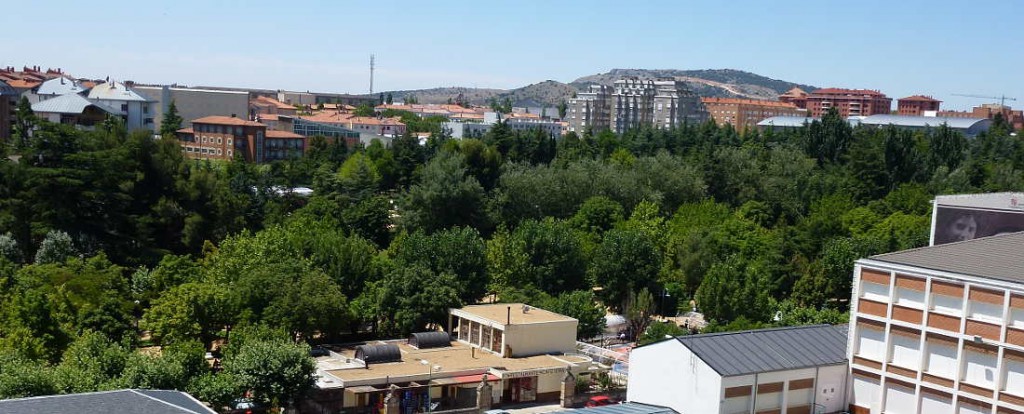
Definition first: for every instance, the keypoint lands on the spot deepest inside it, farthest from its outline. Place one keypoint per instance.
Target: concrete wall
(541, 338)
(194, 103)
(668, 374)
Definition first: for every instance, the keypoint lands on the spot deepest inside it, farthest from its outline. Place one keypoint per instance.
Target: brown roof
(920, 98)
(795, 93)
(274, 102)
(23, 84)
(738, 101)
(185, 131)
(225, 120)
(841, 91)
(282, 134)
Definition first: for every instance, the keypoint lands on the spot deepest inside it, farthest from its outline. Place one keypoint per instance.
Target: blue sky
(900, 47)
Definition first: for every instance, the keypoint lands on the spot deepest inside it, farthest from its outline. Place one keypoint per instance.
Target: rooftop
(456, 360)
(282, 134)
(766, 350)
(923, 121)
(841, 91)
(624, 408)
(737, 101)
(68, 104)
(60, 86)
(511, 313)
(115, 91)
(997, 201)
(795, 93)
(108, 402)
(225, 120)
(920, 98)
(996, 257)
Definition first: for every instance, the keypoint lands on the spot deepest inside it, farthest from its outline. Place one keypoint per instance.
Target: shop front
(535, 385)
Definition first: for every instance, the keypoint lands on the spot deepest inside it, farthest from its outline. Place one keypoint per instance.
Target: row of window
(952, 305)
(211, 140)
(207, 151)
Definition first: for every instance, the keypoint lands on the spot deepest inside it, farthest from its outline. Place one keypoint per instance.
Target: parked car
(247, 406)
(598, 401)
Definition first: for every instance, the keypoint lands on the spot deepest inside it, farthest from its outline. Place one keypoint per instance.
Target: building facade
(194, 103)
(849, 102)
(633, 103)
(940, 329)
(744, 114)
(224, 138)
(1015, 117)
(795, 96)
(792, 370)
(122, 98)
(917, 105)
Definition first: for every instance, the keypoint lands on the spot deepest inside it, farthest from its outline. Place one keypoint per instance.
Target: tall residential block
(634, 103)
(849, 102)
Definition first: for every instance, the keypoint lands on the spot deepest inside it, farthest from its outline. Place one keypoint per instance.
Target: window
(874, 291)
(1013, 373)
(950, 305)
(870, 341)
(899, 399)
(906, 349)
(909, 297)
(124, 107)
(984, 311)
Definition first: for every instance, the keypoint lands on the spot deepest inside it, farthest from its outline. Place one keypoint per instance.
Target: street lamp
(430, 374)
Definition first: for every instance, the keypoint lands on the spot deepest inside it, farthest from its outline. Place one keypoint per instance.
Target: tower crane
(1002, 99)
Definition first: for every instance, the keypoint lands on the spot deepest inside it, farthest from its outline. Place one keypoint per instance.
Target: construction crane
(1002, 99)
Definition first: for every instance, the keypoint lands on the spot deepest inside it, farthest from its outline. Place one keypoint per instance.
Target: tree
(563, 109)
(276, 370)
(734, 289)
(659, 331)
(597, 215)
(638, 310)
(446, 196)
(410, 298)
(364, 110)
(25, 121)
(389, 99)
(9, 248)
(20, 377)
(55, 248)
(626, 261)
(457, 251)
(188, 311)
(548, 255)
(171, 122)
(580, 305)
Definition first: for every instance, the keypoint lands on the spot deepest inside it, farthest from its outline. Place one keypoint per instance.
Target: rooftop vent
(374, 354)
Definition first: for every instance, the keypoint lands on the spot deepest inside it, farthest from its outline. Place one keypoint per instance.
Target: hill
(728, 83)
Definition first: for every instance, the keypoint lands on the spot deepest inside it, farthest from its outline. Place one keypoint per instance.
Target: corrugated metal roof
(67, 104)
(624, 408)
(997, 257)
(922, 121)
(767, 350)
(115, 91)
(60, 86)
(108, 402)
(786, 121)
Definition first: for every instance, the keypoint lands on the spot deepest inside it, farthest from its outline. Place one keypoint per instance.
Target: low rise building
(61, 85)
(939, 329)
(783, 370)
(222, 138)
(744, 114)
(918, 105)
(74, 109)
(525, 352)
(136, 110)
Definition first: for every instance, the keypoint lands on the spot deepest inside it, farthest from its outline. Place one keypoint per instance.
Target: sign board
(531, 372)
(953, 224)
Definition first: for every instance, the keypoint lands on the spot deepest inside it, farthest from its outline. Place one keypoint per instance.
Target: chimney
(508, 316)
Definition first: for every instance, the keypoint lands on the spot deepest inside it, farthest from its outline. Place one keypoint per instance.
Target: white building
(134, 108)
(785, 370)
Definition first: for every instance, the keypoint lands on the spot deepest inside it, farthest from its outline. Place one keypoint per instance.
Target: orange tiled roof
(23, 84)
(740, 101)
(841, 91)
(274, 102)
(920, 98)
(225, 120)
(365, 120)
(185, 131)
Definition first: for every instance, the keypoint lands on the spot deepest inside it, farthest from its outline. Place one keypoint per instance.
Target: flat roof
(456, 360)
(1013, 201)
(499, 313)
(997, 257)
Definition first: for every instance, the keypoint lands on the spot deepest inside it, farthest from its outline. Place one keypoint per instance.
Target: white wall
(940, 359)
(935, 404)
(668, 374)
(980, 368)
(900, 400)
(870, 342)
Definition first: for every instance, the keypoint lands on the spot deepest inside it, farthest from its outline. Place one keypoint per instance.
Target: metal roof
(923, 121)
(786, 121)
(108, 402)
(60, 86)
(67, 104)
(624, 408)
(767, 350)
(996, 257)
(115, 91)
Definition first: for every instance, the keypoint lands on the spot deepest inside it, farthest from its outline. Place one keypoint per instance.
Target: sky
(901, 47)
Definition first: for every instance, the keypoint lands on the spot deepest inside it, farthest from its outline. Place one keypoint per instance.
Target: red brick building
(1012, 116)
(849, 102)
(744, 114)
(795, 96)
(222, 137)
(916, 105)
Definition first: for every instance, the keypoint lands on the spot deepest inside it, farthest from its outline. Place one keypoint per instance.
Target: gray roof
(108, 402)
(767, 350)
(624, 408)
(60, 86)
(115, 91)
(786, 121)
(996, 257)
(67, 104)
(923, 121)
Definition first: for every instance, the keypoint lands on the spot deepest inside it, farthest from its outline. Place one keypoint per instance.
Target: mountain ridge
(726, 83)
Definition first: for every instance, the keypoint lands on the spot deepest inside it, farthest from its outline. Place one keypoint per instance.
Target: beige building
(940, 329)
(744, 114)
(633, 103)
(523, 352)
(193, 103)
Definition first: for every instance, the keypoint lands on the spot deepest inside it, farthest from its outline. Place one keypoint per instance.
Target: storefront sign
(532, 372)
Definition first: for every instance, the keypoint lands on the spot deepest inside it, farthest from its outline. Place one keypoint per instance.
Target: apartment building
(795, 96)
(222, 137)
(940, 329)
(849, 102)
(632, 103)
(917, 105)
(136, 110)
(590, 109)
(194, 103)
(744, 114)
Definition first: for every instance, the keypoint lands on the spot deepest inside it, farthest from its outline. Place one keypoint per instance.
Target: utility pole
(371, 73)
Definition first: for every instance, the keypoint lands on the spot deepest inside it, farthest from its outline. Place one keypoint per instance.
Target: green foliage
(659, 331)
(446, 196)
(459, 252)
(625, 261)
(597, 215)
(581, 305)
(55, 248)
(548, 255)
(410, 298)
(276, 370)
(171, 122)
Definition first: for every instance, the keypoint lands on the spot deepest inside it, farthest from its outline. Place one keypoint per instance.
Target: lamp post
(430, 375)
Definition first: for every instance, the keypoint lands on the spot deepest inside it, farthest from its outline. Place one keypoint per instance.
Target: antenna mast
(371, 73)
